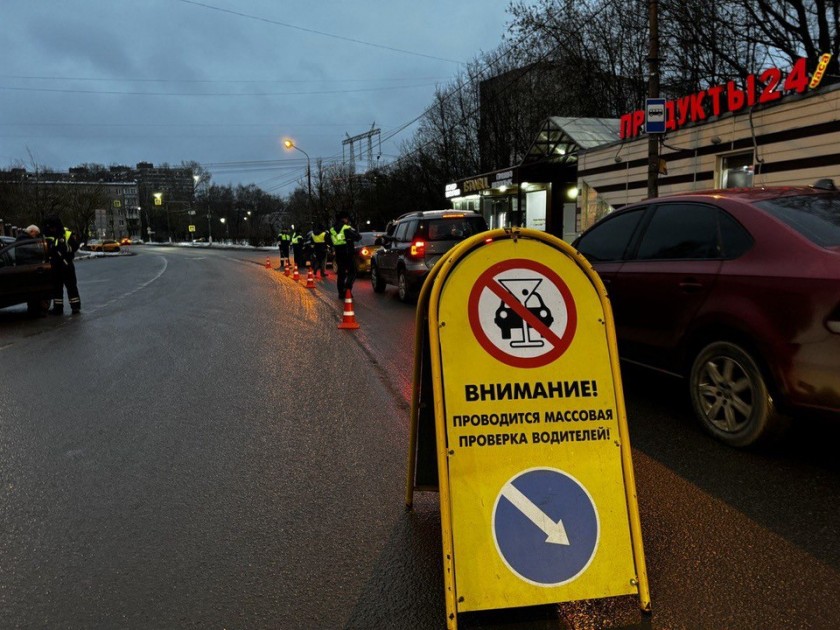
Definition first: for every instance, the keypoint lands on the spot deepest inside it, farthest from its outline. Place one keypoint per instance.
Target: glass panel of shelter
(736, 170)
(500, 212)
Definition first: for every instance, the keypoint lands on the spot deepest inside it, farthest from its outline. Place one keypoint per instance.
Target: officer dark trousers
(346, 274)
(64, 275)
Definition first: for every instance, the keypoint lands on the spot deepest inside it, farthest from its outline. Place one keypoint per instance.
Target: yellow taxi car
(107, 246)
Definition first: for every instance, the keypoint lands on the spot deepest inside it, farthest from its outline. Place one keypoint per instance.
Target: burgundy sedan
(737, 291)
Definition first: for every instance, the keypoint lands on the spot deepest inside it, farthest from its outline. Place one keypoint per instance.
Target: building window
(736, 171)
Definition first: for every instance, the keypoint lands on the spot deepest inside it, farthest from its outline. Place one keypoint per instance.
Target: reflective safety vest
(338, 238)
(296, 239)
(285, 236)
(319, 238)
(71, 240)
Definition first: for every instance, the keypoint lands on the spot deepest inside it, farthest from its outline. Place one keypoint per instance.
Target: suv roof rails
(825, 184)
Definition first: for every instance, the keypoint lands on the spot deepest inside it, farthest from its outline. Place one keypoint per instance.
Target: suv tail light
(417, 249)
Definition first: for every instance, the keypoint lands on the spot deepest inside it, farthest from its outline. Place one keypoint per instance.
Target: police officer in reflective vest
(63, 245)
(343, 237)
(319, 250)
(284, 242)
(297, 247)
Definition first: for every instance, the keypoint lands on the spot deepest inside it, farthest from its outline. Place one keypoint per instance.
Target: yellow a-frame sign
(518, 420)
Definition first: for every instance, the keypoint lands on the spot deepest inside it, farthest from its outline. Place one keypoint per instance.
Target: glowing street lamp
(290, 144)
(159, 202)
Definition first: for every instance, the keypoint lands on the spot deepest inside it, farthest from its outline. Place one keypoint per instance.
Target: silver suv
(414, 242)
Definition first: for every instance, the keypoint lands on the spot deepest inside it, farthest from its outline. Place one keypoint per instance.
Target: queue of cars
(737, 291)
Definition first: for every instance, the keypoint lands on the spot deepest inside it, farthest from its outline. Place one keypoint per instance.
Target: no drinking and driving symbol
(522, 313)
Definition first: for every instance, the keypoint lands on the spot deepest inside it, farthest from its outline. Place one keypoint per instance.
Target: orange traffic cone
(310, 279)
(349, 319)
(267, 263)
(296, 274)
(286, 269)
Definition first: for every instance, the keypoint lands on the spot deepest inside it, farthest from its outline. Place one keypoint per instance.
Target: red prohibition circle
(559, 344)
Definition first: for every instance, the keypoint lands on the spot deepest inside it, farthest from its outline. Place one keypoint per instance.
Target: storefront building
(540, 192)
(778, 129)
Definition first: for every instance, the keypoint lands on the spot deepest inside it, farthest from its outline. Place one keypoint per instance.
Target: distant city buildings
(134, 202)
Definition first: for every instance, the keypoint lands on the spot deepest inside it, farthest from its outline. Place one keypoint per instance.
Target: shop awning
(560, 138)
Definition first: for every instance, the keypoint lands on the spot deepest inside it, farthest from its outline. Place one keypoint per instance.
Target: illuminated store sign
(476, 185)
(765, 87)
(452, 190)
(503, 179)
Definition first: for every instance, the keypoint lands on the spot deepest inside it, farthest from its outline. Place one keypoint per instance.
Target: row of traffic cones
(348, 320)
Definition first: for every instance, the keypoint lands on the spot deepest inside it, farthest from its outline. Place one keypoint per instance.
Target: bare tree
(80, 204)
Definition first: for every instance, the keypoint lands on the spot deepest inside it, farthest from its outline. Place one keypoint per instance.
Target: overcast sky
(222, 82)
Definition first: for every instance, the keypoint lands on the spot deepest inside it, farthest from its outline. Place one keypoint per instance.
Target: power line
(214, 94)
(147, 80)
(316, 32)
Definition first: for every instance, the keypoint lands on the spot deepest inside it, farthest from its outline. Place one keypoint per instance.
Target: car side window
(681, 232)
(400, 233)
(734, 238)
(6, 258)
(28, 253)
(410, 229)
(608, 239)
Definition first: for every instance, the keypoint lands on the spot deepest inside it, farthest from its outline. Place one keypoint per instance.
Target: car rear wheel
(37, 307)
(402, 287)
(730, 396)
(376, 281)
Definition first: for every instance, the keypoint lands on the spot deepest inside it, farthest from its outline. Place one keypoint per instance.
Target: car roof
(743, 194)
(431, 214)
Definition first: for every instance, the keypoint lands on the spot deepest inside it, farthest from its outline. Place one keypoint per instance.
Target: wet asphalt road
(203, 448)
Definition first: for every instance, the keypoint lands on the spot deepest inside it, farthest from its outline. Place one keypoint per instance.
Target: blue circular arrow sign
(545, 526)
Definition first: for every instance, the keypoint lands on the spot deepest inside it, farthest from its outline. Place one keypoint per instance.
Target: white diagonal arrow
(556, 532)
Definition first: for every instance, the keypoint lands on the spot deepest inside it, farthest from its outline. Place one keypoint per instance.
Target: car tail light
(365, 252)
(832, 322)
(417, 249)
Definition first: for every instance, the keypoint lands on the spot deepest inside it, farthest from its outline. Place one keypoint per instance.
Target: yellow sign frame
(427, 332)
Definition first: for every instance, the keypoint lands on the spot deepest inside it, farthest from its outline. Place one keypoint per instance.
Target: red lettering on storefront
(712, 102)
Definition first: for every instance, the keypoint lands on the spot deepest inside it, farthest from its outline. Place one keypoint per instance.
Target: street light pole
(192, 212)
(290, 144)
(653, 92)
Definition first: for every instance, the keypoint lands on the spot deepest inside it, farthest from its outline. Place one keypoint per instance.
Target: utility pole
(653, 92)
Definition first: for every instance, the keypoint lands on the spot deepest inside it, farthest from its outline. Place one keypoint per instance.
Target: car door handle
(690, 285)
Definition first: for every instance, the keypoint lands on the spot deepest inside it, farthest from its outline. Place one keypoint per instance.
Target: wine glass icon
(525, 291)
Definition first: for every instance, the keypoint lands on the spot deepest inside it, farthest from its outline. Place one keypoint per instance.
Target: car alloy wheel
(730, 396)
(376, 282)
(402, 286)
